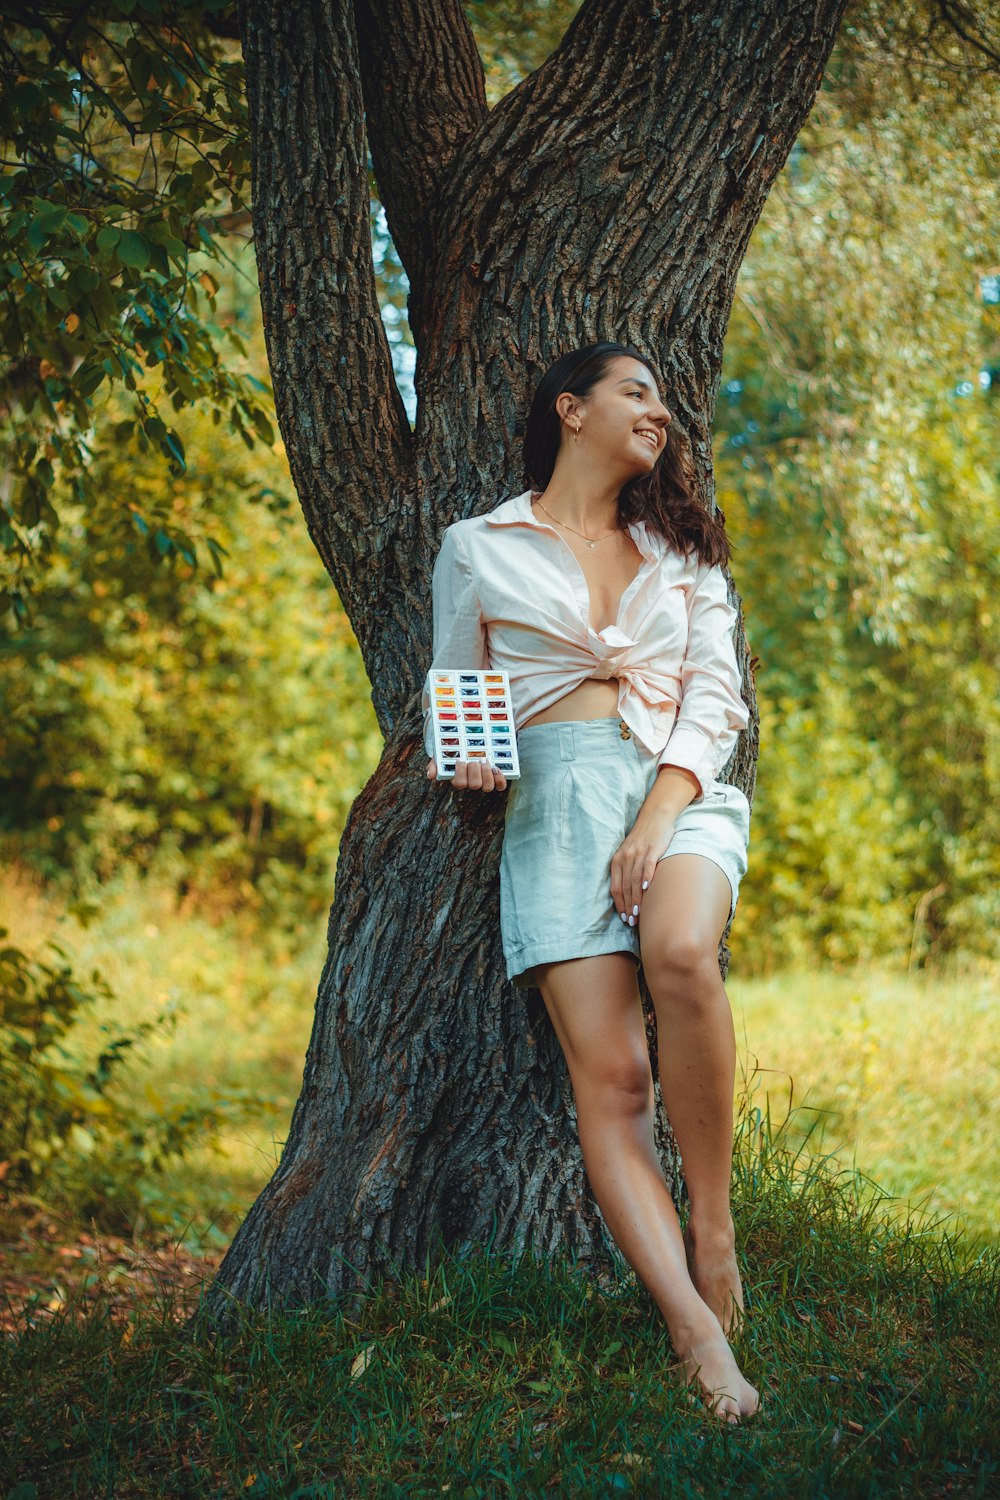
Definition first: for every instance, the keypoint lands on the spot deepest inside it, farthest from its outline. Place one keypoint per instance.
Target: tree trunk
(610, 195)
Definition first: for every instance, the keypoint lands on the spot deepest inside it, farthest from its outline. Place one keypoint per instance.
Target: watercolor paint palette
(473, 720)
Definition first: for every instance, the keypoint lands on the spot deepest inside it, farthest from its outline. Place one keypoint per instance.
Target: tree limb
(340, 412)
(424, 94)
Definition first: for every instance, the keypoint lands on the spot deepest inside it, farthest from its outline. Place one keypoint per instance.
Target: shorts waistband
(569, 738)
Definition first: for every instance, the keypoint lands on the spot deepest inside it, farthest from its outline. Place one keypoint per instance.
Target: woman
(601, 592)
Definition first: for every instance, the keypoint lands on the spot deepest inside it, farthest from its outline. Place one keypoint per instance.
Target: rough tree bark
(610, 195)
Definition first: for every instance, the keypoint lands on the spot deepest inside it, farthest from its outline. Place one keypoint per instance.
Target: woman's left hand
(634, 862)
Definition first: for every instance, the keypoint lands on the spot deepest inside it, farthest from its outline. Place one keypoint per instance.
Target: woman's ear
(567, 406)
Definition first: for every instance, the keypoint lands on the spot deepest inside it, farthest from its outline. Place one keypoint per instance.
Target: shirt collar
(518, 511)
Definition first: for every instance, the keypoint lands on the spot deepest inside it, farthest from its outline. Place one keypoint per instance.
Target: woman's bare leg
(683, 916)
(595, 1009)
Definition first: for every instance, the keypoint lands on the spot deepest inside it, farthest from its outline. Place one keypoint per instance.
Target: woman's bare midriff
(596, 698)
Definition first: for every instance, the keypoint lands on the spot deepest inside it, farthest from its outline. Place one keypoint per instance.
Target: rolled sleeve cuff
(692, 751)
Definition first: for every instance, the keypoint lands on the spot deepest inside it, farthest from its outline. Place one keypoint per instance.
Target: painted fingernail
(631, 921)
(635, 911)
(645, 885)
(623, 916)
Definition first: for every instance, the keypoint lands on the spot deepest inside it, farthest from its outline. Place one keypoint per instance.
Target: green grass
(898, 1076)
(875, 1347)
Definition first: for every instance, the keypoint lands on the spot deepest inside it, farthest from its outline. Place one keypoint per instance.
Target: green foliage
(126, 159)
(833, 839)
(514, 38)
(229, 725)
(67, 1128)
(857, 435)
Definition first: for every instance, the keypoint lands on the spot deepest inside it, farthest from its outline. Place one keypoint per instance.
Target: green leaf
(24, 98)
(160, 262)
(50, 220)
(107, 238)
(217, 553)
(175, 446)
(262, 426)
(133, 249)
(87, 379)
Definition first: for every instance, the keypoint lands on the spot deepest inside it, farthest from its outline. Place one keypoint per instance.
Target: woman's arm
(459, 627)
(710, 717)
(459, 642)
(712, 710)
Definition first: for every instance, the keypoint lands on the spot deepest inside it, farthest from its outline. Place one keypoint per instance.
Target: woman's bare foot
(708, 1360)
(711, 1258)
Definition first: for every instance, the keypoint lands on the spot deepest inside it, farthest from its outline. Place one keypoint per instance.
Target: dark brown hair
(663, 498)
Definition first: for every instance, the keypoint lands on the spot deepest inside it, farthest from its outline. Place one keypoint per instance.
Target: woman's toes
(726, 1408)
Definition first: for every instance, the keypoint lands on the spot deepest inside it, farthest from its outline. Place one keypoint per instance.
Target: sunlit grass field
(898, 1075)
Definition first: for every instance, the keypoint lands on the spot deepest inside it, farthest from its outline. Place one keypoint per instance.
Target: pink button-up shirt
(509, 594)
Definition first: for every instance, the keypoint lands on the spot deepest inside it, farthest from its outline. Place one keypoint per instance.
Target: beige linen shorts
(580, 790)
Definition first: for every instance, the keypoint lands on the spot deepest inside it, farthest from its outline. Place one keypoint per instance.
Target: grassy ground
(872, 1334)
(876, 1350)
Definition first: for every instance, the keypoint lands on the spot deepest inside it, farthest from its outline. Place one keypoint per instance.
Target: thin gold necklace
(590, 542)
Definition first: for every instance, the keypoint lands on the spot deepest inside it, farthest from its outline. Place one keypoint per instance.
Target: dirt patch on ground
(47, 1270)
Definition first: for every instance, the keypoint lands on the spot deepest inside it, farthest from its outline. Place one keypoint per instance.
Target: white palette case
(473, 720)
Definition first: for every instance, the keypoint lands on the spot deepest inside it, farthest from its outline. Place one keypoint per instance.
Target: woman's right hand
(472, 776)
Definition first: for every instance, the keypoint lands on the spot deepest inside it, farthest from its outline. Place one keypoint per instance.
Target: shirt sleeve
(459, 628)
(712, 710)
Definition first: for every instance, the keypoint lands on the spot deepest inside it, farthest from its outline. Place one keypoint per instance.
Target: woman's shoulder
(505, 512)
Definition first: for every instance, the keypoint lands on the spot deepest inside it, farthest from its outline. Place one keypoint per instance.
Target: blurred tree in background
(179, 687)
(858, 463)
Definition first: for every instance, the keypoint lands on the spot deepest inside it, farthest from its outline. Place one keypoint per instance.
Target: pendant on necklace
(591, 545)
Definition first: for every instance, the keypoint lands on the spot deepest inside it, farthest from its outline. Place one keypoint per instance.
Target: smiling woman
(600, 590)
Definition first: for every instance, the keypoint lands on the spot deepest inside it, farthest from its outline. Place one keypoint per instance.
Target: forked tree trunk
(610, 195)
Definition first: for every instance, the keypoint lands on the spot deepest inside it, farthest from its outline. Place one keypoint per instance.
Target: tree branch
(340, 412)
(425, 96)
(970, 28)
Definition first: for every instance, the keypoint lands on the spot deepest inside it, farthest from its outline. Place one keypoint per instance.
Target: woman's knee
(681, 962)
(621, 1086)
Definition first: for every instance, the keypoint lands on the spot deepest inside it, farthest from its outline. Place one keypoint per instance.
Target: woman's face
(623, 419)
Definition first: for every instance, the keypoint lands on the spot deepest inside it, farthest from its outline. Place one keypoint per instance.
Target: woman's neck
(584, 507)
